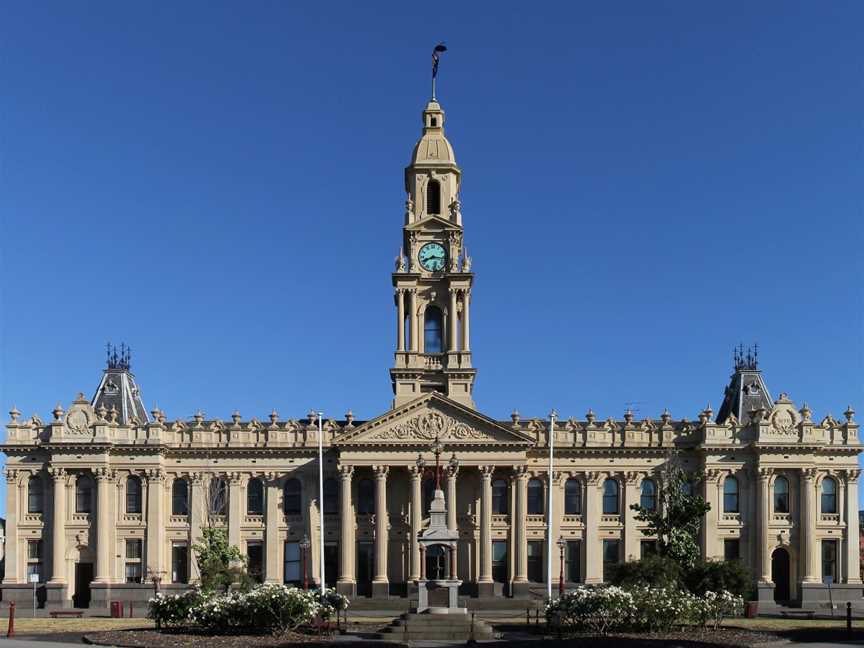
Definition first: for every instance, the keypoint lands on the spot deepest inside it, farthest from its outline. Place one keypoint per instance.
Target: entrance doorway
(780, 575)
(83, 578)
(331, 564)
(365, 568)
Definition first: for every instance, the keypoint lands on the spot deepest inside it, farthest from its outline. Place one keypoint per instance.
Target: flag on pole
(436, 55)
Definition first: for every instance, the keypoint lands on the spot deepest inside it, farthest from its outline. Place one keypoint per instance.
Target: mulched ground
(691, 638)
(168, 639)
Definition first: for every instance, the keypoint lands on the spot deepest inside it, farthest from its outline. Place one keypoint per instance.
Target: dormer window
(433, 197)
(433, 122)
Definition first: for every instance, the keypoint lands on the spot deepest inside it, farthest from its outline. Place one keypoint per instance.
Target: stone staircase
(435, 627)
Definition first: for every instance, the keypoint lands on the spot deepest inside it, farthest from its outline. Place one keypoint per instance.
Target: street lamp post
(304, 547)
(562, 544)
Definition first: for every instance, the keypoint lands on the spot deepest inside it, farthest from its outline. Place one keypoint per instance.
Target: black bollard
(528, 616)
(849, 618)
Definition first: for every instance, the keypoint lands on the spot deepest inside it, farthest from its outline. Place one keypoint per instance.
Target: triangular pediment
(418, 423)
(432, 222)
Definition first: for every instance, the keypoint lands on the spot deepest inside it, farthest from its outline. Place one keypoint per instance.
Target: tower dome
(433, 149)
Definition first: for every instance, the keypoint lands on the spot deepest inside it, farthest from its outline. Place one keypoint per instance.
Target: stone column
(416, 520)
(520, 583)
(380, 583)
(58, 534)
(346, 584)
(451, 508)
(155, 523)
(853, 557)
(632, 535)
(763, 506)
(466, 321)
(451, 333)
(485, 585)
(412, 319)
(235, 508)
(272, 571)
(709, 526)
(11, 531)
(593, 548)
(400, 323)
(104, 528)
(557, 513)
(197, 517)
(809, 544)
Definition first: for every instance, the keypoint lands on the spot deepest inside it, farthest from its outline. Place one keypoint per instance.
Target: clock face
(432, 257)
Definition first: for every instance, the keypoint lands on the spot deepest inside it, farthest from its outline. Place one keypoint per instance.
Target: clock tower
(433, 276)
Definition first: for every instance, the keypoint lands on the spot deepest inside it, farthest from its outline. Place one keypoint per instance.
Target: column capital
(521, 473)
(452, 471)
(631, 478)
(381, 471)
(345, 472)
(810, 474)
(155, 475)
(764, 473)
(12, 475)
(103, 474)
(594, 477)
(486, 472)
(57, 474)
(713, 475)
(852, 475)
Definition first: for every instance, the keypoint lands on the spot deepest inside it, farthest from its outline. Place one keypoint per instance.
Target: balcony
(81, 518)
(610, 519)
(731, 517)
(830, 518)
(433, 361)
(178, 520)
(131, 518)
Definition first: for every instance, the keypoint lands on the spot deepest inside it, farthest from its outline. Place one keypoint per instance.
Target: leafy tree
(677, 520)
(220, 564)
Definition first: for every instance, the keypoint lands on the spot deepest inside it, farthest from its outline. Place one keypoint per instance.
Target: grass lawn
(781, 625)
(25, 626)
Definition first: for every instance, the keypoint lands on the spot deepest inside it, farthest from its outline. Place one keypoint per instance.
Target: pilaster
(58, 533)
(764, 508)
(416, 520)
(155, 523)
(485, 584)
(809, 544)
(853, 556)
(632, 535)
(104, 528)
(235, 508)
(593, 550)
(710, 540)
(273, 573)
(11, 531)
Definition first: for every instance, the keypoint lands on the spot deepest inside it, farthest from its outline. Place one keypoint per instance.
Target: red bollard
(10, 632)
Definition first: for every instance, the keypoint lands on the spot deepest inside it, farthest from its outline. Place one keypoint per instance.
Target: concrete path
(41, 642)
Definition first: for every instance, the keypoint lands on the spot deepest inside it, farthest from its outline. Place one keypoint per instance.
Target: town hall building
(106, 498)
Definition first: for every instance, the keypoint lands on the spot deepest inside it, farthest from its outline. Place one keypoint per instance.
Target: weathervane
(436, 55)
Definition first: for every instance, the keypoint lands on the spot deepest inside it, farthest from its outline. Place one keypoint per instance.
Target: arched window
(180, 497)
(433, 330)
(255, 497)
(730, 495)
(572, 497)
(331, 496)
(499, 497)
(781, 495)
(217, 496)
(535, 497)
(648, 496)
(365, 497)
(428, 493)
(829, 495)
(688, 489)
(133, 494)
(84, 494)
(293, 497)
(610, 497)
(433, 197)
(35, 494)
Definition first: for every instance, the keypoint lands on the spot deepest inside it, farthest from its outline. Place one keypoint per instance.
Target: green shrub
(716, 576)
(652, 571)
(173, 610)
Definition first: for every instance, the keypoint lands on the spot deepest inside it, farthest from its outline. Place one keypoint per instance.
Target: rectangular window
(535, 561)
(34, 559)
(829, 561)
(611, 557)
(499, 561)
(133, 560)
(179, 562)
(573, 562)
(255, 560)
(647, 548)
(731, 549)
(292, 562)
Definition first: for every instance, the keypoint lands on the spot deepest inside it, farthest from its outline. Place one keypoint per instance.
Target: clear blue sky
(220, 186)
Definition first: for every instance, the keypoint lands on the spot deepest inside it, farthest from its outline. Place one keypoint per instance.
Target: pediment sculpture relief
(426, 426)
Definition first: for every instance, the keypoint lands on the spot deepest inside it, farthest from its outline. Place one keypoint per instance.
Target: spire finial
(436, 56)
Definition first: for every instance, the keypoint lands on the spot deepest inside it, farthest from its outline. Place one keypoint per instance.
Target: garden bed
(191, 639)
(685, 638)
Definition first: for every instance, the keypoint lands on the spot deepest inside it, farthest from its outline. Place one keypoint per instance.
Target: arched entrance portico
(780, 575)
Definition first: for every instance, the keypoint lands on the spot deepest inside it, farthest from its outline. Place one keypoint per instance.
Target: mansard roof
(118, 391)
(746, 391)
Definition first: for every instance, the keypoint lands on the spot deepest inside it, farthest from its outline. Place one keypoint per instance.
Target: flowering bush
(713, 607)
(271, 607)
(640, 608)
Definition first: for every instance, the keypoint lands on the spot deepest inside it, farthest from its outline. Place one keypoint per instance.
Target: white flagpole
(321, 497)
(551, 442)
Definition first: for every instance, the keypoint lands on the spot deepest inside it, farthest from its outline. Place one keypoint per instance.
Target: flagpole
(321, 497)
(551, 441)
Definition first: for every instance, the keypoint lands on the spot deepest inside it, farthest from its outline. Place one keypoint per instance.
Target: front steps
(435, 627)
